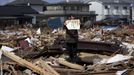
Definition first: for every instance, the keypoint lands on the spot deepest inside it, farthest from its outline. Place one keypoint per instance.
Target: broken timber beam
(25, 63)
(70, 65)
(48, 68)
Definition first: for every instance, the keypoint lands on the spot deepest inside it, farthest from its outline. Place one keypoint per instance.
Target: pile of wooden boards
(41, 48)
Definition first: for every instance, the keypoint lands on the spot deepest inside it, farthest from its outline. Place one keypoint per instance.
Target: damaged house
(99, 50)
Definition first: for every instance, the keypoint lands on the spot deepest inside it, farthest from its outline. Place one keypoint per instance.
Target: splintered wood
(26, 64)
(48, 68)
(70, 65)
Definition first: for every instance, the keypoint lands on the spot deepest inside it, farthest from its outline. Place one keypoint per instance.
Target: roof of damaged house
(26, 2)
(16, 10)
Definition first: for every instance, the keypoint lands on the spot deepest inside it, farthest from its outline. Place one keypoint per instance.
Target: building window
(50, 8)
(68, 8)
(116, 7)
(73, 8)
(116, 10)
(53, 8)
(44, 8)
(125, 10)
(58, 8)
(79, 8)
(85, 8)
(107, 9)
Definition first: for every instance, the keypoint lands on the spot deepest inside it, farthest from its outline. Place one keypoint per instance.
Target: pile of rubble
(32, 51)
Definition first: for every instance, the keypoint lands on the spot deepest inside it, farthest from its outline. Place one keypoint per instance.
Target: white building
(113, 9)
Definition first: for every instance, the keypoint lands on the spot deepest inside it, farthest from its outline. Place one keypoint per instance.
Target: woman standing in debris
(71, 41)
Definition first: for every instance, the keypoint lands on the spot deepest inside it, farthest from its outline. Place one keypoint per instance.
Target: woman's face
(71, 17)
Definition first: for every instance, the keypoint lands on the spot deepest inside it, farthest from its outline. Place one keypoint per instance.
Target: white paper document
(73, 24)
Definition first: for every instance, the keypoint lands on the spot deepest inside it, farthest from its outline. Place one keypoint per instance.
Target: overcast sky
(5, 1)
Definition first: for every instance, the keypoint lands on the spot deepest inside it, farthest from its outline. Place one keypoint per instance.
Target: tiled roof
(16, 10)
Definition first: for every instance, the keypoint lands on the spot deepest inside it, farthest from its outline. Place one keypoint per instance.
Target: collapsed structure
(102, 50)
(111, 54)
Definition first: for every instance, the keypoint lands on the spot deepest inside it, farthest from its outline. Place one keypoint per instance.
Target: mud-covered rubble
(32, 55)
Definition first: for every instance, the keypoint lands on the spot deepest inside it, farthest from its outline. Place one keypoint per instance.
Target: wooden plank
(25, 63)
(4, 43)
(70, 65)
(14, 71)
(48, 68)
(69, 70)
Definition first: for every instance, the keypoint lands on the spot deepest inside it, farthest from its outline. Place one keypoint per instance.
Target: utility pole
(131, 14)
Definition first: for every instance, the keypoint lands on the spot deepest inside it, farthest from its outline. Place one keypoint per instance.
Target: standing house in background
(63, 9)
(38, 5)
(110, 9)
(15, 15)
(60, 9)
